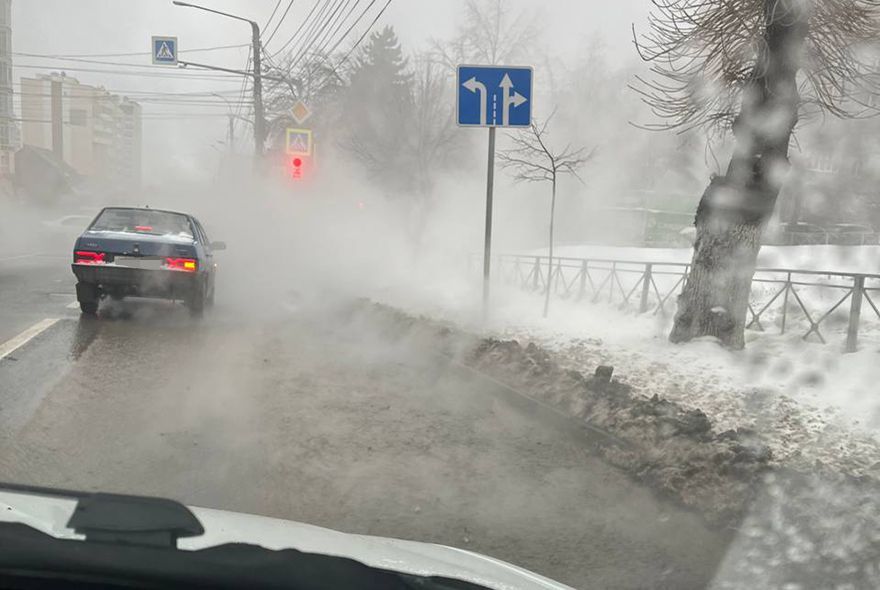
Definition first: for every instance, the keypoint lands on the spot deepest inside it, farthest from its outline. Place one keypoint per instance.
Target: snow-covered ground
(811, 402)
(853, 259)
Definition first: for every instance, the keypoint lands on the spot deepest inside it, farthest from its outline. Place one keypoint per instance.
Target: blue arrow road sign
(165, 50)
(494, 96)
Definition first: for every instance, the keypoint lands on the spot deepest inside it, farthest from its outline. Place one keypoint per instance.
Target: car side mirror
(218, 245)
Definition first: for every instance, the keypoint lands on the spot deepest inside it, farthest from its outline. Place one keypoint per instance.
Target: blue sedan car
(144, 252)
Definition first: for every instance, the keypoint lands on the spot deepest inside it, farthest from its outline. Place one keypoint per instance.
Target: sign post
(493, 96)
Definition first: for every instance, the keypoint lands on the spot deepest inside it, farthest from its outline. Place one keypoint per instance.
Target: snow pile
(812, 527)
(664, 445)
(809, 402)
(672, 449)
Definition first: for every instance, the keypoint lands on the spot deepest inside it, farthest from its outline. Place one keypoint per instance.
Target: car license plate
(138, 262)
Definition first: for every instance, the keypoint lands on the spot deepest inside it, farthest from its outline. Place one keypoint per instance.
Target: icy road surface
(299, 417)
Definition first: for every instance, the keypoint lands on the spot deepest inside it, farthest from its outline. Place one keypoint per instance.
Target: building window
(79, 117)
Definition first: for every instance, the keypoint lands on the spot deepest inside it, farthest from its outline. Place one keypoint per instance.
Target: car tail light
(183, 264)
(143, 228)
(85, 257)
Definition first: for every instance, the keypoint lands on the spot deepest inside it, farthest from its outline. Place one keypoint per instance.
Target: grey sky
(69, 27)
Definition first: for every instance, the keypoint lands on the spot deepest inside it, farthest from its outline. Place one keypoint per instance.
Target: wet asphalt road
(293, 413)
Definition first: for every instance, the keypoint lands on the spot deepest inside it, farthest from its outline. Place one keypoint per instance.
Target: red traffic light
(297, 162)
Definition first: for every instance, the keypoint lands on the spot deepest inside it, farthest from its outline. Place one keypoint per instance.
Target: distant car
(144, 252)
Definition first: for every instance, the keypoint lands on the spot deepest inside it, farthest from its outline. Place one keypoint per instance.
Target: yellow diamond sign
(300, 112)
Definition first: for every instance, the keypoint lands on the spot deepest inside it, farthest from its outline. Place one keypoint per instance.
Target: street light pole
(259, 121)
(230, 135)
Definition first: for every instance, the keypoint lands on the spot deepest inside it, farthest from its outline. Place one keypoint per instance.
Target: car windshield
(591, 287)
(143, 221)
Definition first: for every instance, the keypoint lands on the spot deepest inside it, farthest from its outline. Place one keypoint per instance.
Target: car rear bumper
(138, 282)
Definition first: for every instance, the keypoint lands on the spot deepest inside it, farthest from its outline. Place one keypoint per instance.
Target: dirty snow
(810, 402)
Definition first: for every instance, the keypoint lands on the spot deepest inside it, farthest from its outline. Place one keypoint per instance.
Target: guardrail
(787, 298)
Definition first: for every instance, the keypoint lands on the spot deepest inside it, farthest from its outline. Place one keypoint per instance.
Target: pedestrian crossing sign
(165, 51)
(299, 142)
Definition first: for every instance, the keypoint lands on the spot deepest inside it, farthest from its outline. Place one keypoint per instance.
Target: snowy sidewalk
(809, 402)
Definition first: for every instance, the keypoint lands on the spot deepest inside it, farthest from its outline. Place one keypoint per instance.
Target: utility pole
(57, 120)
(259, 121)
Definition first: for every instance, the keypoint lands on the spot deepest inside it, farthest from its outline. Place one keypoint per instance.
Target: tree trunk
(735, 208)
(550, 257)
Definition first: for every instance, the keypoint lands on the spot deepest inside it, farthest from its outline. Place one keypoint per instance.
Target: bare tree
(751, 67)
(531, 159)
(492, 32)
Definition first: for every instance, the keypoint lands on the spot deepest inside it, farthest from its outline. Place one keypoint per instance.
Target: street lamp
(231, 115)
(259, 123)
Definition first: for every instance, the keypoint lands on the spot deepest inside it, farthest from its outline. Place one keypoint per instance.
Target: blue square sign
(165, 51)
(494, 96)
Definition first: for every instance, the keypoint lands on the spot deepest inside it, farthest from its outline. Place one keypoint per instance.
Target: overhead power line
(147, 53)
(299, 29)
(314, 26)
(366, 32)
(339, 24)
(274, 10)
(281, 20)
(320, 36)
(194, 100)
(182, 75)
(350, 29)
(93, 61)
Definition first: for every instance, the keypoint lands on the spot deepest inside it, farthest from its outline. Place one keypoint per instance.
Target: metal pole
(550, 252)
(855, 311)
(785, 302)
(259, 122)
(646, 287)
(231, 133)
(487, 246)
(57, 120)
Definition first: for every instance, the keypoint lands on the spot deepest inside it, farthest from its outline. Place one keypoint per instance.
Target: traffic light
(296, 168)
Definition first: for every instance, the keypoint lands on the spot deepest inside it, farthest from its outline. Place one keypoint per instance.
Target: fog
(390, 210)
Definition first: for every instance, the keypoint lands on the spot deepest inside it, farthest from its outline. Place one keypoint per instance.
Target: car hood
(50, 515)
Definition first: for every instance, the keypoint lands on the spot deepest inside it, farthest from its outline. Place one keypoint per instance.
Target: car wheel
(88, 307)
(88, 296)
(196, 301)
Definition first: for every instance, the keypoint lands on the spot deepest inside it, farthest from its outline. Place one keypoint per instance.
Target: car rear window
(143, 221)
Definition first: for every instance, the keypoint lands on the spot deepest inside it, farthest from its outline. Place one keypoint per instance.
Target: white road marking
(73, 305)
(17, 342)
(8, 258)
